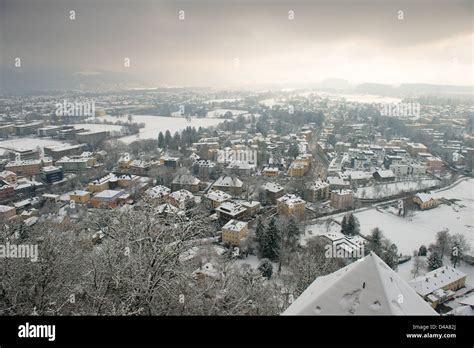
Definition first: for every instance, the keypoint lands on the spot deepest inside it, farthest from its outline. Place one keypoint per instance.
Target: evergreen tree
(344, 225)
(434, 260)
(161, 140)
(168, 138)
(350, 225)
(422, 251)
(375, 241)
(260, 232)
(292, 233)
(270, 246)
(390, 256)
(266, 268)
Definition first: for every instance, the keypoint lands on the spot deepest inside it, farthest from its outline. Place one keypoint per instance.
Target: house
(51, 174)
(425, 201)
(9, 177)
(217, 197)
(106, 199)
(297, 169)
(439, 285)
(270, 171)
(290, 204)
(415, 148)
(181, 198)
(240, 168)
(384, 175)
(273, 191)
(158, 193)
(185, 182)
(434, 163)
(80, 196)
(348, 246)
(318, 191)
(234, 231)
(100, 184)
(231, 185)
(253, 207)
(25, 167)
(364, 287)
(341, 199)
(7, 212)
(76, 163)
(230, 211)
(6, 190)
(207, 271)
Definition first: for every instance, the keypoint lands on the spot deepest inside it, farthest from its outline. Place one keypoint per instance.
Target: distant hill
(25, 81)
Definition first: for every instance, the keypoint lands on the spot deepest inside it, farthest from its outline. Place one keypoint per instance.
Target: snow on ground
(270, 102)
(230, 100)
(221, 112)
(323, 226)
(410, 232)
(156, 124)
(391, 189)
(404, 270)
(94, 127)
(27, 143)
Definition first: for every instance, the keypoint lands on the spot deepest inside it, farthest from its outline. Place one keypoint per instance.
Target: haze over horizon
(240, 42)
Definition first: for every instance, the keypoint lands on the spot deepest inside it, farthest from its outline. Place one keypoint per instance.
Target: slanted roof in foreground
(365, 287)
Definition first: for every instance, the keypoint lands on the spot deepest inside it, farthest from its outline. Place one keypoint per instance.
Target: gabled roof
(365, 287)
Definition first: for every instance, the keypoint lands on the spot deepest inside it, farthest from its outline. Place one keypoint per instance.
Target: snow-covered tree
(266, 268)
(434, 260)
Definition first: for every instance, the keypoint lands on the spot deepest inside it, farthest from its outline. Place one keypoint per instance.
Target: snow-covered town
(286, 195)
(258, 161)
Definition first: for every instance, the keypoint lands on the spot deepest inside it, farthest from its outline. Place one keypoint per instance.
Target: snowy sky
(242, 42)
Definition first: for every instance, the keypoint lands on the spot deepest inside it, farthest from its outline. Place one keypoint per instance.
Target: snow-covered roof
(290, 199)
(182, 195)
(319, 184)
(424, 197)
(186, 179)
(231, 208)
(228, 181)
(468, 301)
(108, 194)
(218, 196)
(387, 173)
(158, 191)
(365, 287)
(234, 225)
(5, 208)
(273, 187)
(435, 280)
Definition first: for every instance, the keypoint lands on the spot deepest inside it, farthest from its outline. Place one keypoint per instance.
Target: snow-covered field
(230, 100)
(156, 124)
(93, 127)
(390, 189)
(27, 143)
(410, 232)
(404, 270)
(221, 112)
